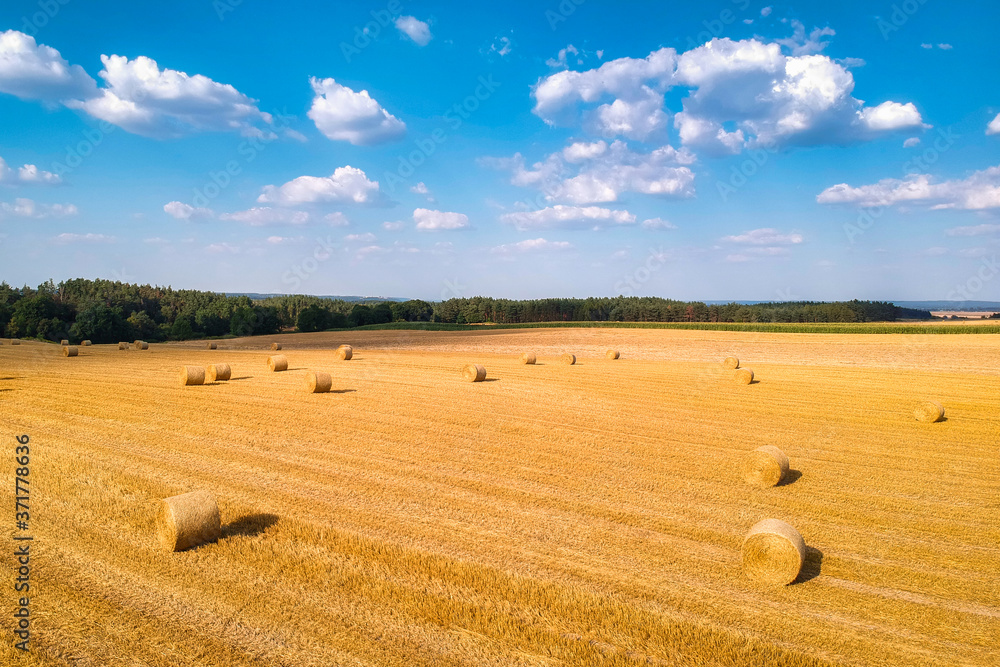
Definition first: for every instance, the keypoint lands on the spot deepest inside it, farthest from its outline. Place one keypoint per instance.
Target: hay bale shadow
(244, 377)
(491, 380)
(811, 566)
(341, 391)
(792, 477)
(250, 525)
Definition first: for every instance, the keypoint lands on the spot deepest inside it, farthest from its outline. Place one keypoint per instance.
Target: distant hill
(968, 306)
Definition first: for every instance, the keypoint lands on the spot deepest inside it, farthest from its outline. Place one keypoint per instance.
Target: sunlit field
(587, 514)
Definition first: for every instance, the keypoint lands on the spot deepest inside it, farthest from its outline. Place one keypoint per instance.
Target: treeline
(106, 311)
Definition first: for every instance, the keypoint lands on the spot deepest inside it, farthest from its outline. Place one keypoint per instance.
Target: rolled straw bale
(318, 382)
(142, 345)
(219, 373)
(137, 343)
(278, 362)
(929, 411)
(764, 466)
(345, 352)
(612, 354)
(474, 373)
(773, 553)
(212, 346)
(191, 375)
(528, 358)
(731, 363)
(15, 341)
(70, 351)
(64, 342)
(188, 520)
(85, 343)
(568, 358)
(122, 346)
(743, 376)
(275, 346)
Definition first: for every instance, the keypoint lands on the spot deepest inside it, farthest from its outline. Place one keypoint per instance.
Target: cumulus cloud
(336, 219)
(83, 238)
(260, 216)
(911, 142)
(183, 211)
(657, 223)
(417, 30)
(142, 99)
(346, 185)
(430, 220)
(393, 225)
(891, 116)
(530, 245)
(34, 71)
(994, 126)
(766, 236)
(29, 174)
(342, 114)
(28, 208)
(420, 189)
(567, 217)
(979, 191)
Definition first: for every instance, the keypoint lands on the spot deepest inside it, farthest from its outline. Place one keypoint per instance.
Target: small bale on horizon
(765, 466)
(743, 376)
(474, 372)
(773, 553)
(278, 362)
(85, 343)
(212, 346)
(70, 351)
(218, 373)
(140, 345)
(929, 412)
(732, 363)
(188, 520)
(568, 358)
(64, 342)
(275, 346)
(612, 354)
(122, 346)
(192, 375)
(528, 358)
(15, 341)
(345, 352)
(318, 382)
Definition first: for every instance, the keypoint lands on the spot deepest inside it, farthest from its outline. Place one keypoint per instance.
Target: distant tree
(314, 318)
(182, 329)
(101, 324)
(242, 321)
(143, 326)
(360, 316)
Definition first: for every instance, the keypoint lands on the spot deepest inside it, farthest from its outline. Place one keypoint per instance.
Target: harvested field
(548, 516)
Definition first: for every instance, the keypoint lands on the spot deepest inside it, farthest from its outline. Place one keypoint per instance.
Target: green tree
(314, 318)
(242, 321)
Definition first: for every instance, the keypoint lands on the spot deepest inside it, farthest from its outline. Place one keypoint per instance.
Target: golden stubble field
(552, 515)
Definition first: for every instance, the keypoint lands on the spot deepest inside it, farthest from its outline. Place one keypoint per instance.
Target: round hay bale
(568, 358)
(765, 466)
(137, 343)
(64, 342)
(192, 375)
(15, 342)
(188, 520)
(743, 376)
(929, 411)
(773, 553)
(85, 343)
(278, 362)
(345, 352)
(275, 346)
(122, 346)
(612, 354)
(70, 351)
(219, 373)
(143, 345)
(318, 382)
(528, 358)
(732, 363)
(474, 373)
(212, 346)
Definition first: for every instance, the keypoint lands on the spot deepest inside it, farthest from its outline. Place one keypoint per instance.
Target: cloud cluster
(530, 245)
(346, 185)
(27, 174)
(567, 217)
(28, 208)
(431, 221)
(342, 114)
(981, 190)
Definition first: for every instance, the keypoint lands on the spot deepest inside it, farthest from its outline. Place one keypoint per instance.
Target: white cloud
(83, 238)
(420, 189)
(979, 191)
(657, 223)
(502, 46)
(568, 217)
(279, 240)
(370, 250)
(975, 230)
(911, 142)
(34, 71)
(945, 47)
(429, 220)
(27, 208)
(336, 219)
(994, 126)
(183, 211)
(29, 174)
(560, 61)
(582, 151)
(143, 99)
(927, 46)
(222, 248)
(393, 226)
(764, 237)
(801, 44)
(530, 245)
(891, 116)
(415, 29)
(342, 114)
(260, 216)
(347, 185)
(367, 237)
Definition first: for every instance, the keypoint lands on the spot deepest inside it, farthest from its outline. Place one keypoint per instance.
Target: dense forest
(105, 312)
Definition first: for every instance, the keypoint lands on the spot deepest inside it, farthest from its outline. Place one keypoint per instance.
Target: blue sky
(714, 150)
